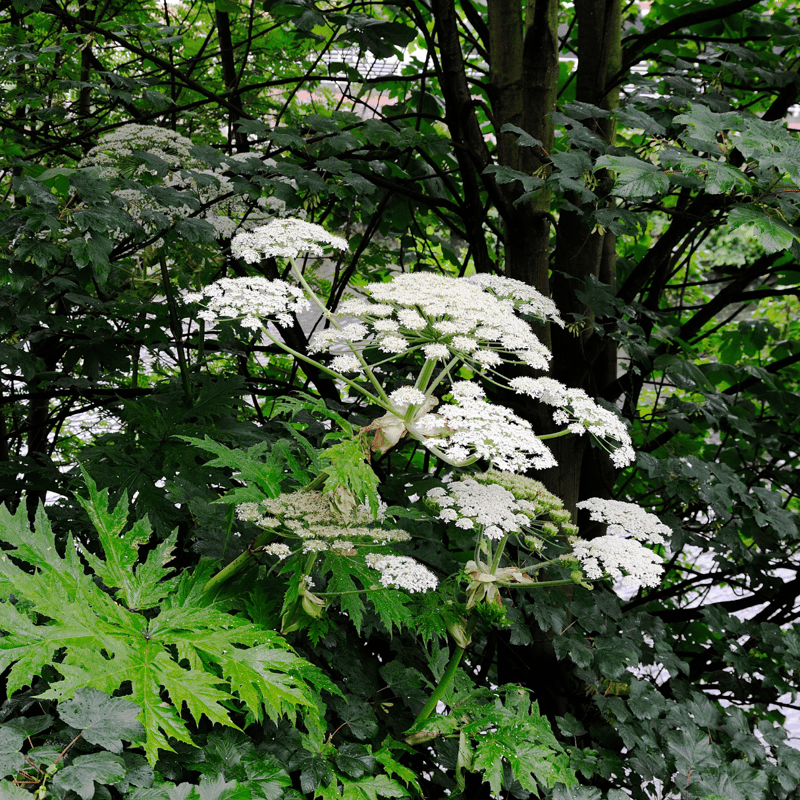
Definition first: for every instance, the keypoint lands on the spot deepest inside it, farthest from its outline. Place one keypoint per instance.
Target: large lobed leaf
(91, 631)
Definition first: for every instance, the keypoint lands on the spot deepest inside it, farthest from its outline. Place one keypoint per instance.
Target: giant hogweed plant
(201, 647)
(441, 339)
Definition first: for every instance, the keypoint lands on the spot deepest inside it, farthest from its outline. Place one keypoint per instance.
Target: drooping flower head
(579, 414)
(619, 552)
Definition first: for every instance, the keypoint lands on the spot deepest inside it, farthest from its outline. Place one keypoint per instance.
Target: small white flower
(407, 396)
(278, 549)
(487, 358)
(346, 363)
(436, 351)
(489, 508)
(411, 319)
(386, 325)
(463, 343)
(393, 344)
(525, 298)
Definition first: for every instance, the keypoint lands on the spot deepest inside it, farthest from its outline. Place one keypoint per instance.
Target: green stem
(174, 324)
(555, 435)
(498, 553)
(425, 375)
(239, 564)
(539, 585)
(335, 322)
(442, 375)
(443, 685)
(297, 354)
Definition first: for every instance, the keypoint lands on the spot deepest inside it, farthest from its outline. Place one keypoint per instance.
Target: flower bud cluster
(496, 504)
(314, 520)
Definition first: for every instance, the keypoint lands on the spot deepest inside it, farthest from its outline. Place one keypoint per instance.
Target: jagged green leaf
(771, 232)
(257, 465)
(82, 773)
(347, 466)
(202, 656)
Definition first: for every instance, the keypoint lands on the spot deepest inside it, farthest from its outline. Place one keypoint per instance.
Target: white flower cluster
(624, 559)
(402, 572)
(476, 428)
(526, 299)
(117, 147)
(444, 318)
(197, 185)
(251, 300)
(285, 238)
(278, 549)
(311, 518)
(576, 410)
(626, 519)
(488, 509)
(619, 553)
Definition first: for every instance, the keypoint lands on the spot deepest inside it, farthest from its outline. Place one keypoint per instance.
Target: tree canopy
(630, 166)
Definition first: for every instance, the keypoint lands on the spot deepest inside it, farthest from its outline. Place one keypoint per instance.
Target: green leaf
(102, 719)
(11, 792)
(11, 760)
(524, 139)
(354, 760)
(81, 774)
(348, 469)
(256, 465)
(203, 657)
(372, 788)
(143, 586)
(635, 178)
(704, 126)
(771, 232)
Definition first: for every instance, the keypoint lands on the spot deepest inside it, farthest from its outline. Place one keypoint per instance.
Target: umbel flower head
(314, 520)
(497, 503)
(446, 318)
(251, 300)
(284, 238)
(619, 553)
(142, 152)
(402, 572)
(472, 428)
(579, 413)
